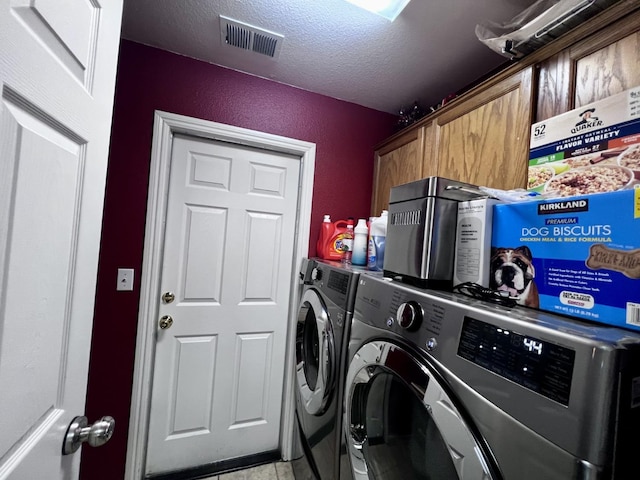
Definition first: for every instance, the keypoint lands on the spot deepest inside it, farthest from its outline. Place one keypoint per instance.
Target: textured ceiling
(334, 48)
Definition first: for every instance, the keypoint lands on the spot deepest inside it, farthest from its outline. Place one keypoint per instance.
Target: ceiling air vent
(248, 37)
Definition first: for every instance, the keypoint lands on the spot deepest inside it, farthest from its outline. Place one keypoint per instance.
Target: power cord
(483, 293)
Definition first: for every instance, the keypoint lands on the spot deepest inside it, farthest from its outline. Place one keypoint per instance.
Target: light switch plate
(125, 279)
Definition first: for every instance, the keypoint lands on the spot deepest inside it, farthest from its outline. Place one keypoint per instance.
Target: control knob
(409, 315)
(316, 274)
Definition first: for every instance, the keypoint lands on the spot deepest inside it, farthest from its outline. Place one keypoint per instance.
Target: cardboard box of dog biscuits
(577, 256)
(592, 149)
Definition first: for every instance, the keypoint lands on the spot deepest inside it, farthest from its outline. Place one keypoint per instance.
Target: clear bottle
(361, 233)
(371, 248)
(377, 234)
(347, 242)
(379, 239)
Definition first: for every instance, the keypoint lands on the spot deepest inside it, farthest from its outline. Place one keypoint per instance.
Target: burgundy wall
(150, 79)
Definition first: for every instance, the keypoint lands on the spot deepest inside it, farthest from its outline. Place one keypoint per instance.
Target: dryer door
(401, 423)
(315, 353)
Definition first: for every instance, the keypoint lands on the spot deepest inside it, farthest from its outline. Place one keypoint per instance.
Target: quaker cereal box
(592, 149)
(578, 256)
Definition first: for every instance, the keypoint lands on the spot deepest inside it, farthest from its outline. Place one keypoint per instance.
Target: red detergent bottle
(330, 240)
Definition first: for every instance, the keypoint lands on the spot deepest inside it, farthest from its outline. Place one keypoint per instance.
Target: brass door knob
(166, 321)
(168, 297)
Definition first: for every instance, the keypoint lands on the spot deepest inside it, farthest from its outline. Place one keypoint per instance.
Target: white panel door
(219, 367)
(57, 76)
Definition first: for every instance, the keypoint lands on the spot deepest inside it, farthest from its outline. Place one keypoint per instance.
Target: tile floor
(270, 471)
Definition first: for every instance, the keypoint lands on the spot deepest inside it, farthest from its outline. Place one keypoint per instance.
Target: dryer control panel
(541, 366)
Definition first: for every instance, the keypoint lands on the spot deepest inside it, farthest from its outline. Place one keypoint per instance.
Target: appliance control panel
(409, 315)
(544, 367)
(412, 315)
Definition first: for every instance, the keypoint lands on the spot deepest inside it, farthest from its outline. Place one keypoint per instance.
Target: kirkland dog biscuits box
(578, 256)
(592, 149)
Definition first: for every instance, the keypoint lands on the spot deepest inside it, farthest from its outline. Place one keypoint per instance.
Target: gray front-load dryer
(443, 386)
(324, 316)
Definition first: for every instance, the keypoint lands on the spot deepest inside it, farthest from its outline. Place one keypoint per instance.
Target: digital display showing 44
(532, 345)
(543, 367)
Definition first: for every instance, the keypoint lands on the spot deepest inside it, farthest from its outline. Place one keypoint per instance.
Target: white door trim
(165, 126)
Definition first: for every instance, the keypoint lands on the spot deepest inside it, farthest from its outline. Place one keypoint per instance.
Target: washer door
(400, 422)
(315, 353)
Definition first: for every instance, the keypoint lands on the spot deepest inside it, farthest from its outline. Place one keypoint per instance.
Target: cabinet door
(605, 63)
(484, 140)
(397, 162)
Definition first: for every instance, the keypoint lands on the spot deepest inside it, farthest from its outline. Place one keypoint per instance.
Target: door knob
(166, 321)
(168, 297)
(95, 435)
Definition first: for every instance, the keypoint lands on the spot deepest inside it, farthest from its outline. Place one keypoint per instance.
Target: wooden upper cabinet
(483, 136)
(397, 162)
(603, 64)
(484, 140)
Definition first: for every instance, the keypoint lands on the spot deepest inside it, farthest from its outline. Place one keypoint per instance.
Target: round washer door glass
(402, 424)
(315, 353)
